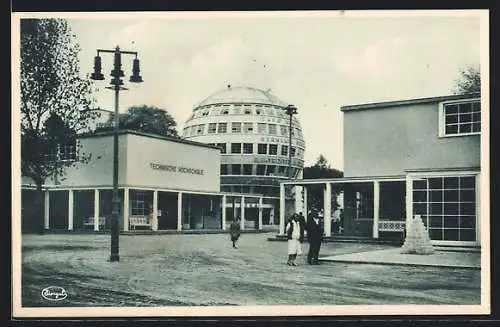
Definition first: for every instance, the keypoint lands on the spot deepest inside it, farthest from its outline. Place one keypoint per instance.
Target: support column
(298, 198)
(306, 210)
(409, 201)
(96, 210)
(125, 208)
(242, 210)
(179, 211)
(70, 209)
(154, 214)
(224, 201)
(376, 206)
(47, 210)
(282, 209)
(260, 213)
(327, 209)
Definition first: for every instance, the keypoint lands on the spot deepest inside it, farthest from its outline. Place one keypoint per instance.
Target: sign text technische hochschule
(174, 169)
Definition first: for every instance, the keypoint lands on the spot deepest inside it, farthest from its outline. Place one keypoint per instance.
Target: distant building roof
(241, 94)
(377, 105)
(127, 131)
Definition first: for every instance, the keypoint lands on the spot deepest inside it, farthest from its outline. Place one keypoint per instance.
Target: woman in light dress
(295, 235)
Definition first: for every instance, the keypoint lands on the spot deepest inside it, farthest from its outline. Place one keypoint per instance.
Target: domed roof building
(251, 128)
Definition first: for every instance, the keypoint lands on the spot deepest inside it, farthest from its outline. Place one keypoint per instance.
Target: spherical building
(251, 127)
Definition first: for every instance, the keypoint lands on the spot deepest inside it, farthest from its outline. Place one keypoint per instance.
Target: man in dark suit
(314, 236)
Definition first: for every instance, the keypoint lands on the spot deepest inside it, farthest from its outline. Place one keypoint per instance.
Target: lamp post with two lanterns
(116, 85)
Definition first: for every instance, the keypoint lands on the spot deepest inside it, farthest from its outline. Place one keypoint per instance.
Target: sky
(316, 62)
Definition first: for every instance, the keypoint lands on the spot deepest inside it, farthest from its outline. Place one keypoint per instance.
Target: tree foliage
(147, 119)
(469, 80)
(320, 169)
(55, 100)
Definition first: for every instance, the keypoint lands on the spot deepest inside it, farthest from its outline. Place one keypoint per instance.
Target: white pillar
(47, 210)
(409, 201)
(376, 206)
(260, 212)
(96, 210)
(154, 214)
(125, 208)
(282, 209)
(224, 200)
(297, 191)
(242, 210)
(327, 209)
(70, 209)
(179, 211)
(305, 203)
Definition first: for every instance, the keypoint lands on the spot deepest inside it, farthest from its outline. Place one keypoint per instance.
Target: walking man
(235, 231)
(314, 236)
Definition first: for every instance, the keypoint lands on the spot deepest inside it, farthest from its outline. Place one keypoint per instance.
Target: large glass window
(284, 129)
(272, 129)
(284, 150)
(462, 117)
(223, 169)
(236, 169)
(271, 170)
(247, 169)
(447, 206)
(235, 147)
(222, 128)
(247, 148)
(212, 128)
(262, 148)
(248, 127)
(200, 129)
(262, 128)
(235, 127)
(273, 149)
(261, 169)
(139, 203)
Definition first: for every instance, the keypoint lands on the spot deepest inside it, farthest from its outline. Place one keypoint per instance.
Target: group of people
(296, 228)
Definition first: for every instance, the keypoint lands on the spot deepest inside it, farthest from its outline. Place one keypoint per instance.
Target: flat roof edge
(396, 103)
(154, 136)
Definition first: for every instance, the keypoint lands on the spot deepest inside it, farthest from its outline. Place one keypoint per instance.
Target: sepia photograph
(259, 163)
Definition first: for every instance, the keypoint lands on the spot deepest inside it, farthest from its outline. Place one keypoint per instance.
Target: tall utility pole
(290, 110)
(116, 83)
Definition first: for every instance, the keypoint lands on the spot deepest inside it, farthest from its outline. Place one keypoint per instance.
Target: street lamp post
(290, 110)
(116, 83)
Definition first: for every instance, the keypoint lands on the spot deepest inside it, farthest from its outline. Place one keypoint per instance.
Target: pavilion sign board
(169, 164)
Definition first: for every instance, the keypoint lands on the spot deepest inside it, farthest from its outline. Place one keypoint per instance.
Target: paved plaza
(201, 270)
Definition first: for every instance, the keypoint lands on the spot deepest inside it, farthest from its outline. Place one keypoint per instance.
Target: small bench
(89, 222)
(391, 226)
(139, 221)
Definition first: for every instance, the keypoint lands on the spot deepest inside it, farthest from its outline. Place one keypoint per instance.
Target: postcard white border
(268, 310)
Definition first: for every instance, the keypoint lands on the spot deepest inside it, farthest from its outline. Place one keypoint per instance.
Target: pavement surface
(462, 259)
(204, 270)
